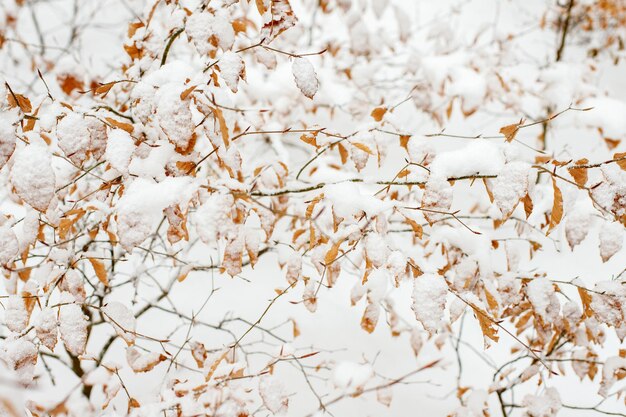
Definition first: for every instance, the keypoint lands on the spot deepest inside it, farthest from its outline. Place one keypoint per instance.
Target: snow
(203, 26)
(9, 246)
(141, 208)
(232, 69)
(74, 137)
(174, 116)
(21, 356)
(429, 301)
(32, 176)
(542, 296)
(274, 395)
(510, 186)
(119, 150)
(611, 239)
(349, 376)
(547, 405)
(46, 327)
(305, 76)
(142, 362)
(122, 320)
(376, 249)
(73, 326)
(16, 316)
(8, 119)
(480, 156)
(578, 222)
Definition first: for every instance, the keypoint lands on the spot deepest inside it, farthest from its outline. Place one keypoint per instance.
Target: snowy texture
(429, 301)
(304, 74)
(33, 177)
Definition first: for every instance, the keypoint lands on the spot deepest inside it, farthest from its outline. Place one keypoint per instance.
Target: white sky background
(335, 326)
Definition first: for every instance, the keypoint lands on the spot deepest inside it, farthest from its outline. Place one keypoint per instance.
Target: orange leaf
(579, 174)
(332, 253)
(378, 113)
(621, 160)
(557, 207)
(343, 153)
(585, 298)
(309, 139)
(120, 125)
(187, 92)
(222, 122)
(100, 271)
(509, 131)
(363, 147)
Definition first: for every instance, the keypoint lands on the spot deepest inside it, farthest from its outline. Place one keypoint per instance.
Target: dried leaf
(557, 207)
(100, 271)
(378, 113)
(120, 125)
(510, 131)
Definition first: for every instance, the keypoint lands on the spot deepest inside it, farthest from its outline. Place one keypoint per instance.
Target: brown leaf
(585, 298)
(378, 113)
(557, 207)
(528, 205)
(120, 125)
(222, 122)
(18, 100)
(332, 253)
(343, 153)
(363, 147)
(621, 159)
(579, 174)
(100, 271)
(487, 324)
(311, 206)
(509, 131)
(69, 83)
(187, 92)
(309, 139)
(103, 89)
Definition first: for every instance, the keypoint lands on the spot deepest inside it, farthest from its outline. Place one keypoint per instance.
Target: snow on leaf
(370, 317)
(20, 356)
(143, 362)
(32, 176)
(122, 320)
(9, 245)
(16, 316)
(8, 119)
(273, 394)
(74, 137)
(232, 69)
(611, 240)
(46, 327)
(542, 296)
(119, 150)
(546, 405)
(429, 301)
(305, 76)
(577, 225)
(510, 186)
(282, 18)
(73, 327)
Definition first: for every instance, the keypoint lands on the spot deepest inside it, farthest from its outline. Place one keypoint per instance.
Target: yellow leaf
(528, 205)
(100, 271)
(404, 141)
(378, 113)
(557, 207)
